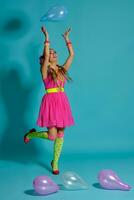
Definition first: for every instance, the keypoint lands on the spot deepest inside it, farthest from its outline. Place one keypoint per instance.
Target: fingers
(70, 29)
(67, 32)
(43, 29)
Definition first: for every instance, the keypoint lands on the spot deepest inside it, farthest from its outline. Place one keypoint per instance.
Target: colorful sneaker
(26, 140)
(56, 171)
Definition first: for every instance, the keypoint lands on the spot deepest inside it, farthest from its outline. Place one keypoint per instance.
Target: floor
(16, 177)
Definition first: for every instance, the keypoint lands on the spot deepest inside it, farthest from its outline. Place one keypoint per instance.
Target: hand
(66, 34)
(44, 30)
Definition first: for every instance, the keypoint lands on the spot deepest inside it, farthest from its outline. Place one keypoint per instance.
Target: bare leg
(52, 133)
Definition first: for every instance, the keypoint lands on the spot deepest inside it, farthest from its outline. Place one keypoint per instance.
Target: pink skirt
(55, 111)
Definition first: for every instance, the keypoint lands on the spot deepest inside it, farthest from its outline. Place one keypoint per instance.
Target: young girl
(55, 111)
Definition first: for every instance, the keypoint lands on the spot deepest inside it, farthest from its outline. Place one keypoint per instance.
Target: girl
(55, 111)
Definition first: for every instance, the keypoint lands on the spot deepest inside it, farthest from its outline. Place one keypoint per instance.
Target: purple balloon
(109, 180)
(44, 185)
(55, 13)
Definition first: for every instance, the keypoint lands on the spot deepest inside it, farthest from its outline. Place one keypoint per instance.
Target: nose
(55, 55)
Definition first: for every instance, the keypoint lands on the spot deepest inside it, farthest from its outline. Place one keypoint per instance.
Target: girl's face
(52, 56)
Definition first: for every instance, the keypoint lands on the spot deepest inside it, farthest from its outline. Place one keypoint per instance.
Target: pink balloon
(109, 180)
(44, 185)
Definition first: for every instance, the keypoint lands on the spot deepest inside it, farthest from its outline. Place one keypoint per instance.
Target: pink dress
(55, 109)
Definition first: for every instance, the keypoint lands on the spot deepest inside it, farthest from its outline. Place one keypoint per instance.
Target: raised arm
(45, 56)
(69, 60)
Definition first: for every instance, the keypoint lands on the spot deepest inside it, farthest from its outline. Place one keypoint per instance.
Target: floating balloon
(55, 13)
(109, 180)
(44, 185)
(73, 181)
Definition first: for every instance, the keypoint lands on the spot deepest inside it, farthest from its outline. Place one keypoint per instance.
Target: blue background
(101, 94)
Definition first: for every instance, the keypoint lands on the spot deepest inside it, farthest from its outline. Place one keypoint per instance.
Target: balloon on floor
(55, 13)
(44, 185)
(109, 180)
(72, 181)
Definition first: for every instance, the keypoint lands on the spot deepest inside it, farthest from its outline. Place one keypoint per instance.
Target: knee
(60, 133)
(52, 137)
(52, 133)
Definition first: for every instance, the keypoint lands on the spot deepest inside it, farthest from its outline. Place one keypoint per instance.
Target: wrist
(68, 43)
(47, 41)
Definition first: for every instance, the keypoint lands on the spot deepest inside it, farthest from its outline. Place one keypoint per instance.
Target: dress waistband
(51, 90)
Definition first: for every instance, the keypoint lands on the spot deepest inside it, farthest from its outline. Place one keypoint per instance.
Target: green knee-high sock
(58, 143)
(41, 134)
